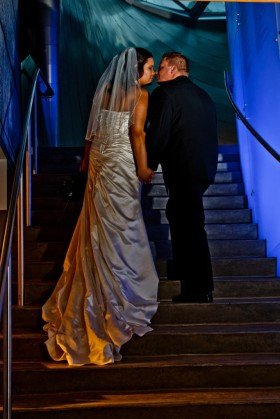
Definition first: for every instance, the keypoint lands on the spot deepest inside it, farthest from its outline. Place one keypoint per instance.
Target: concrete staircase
(218, 360)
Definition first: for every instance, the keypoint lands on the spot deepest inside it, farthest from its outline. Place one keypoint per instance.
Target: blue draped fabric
(93, 31)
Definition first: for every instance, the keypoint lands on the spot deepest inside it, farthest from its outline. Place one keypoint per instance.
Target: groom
(182, 136)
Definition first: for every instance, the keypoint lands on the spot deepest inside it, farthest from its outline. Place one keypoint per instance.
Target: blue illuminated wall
(10, 120)
(255, 63)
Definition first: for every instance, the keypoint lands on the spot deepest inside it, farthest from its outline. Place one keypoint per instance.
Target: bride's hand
(145, 175)
(84, 164)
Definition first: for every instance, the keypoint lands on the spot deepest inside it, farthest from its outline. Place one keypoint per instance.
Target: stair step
(227, 177)
(228, 157)
(69, 154)
(230, 166)
(61, 168)
(219, 248)
(209, 202)
(40, 251)
(56, 180)
(230, 310)
(54, 154)
(156, 232)
(228, 148)
(70, 214)
(213, 190)
(214, 231)
(191, 404)
(48, 233)
(175, 339)
(165, 372)
(239, 287)
(72, 166)
(264, 267)
(207, 338)
(45, 250)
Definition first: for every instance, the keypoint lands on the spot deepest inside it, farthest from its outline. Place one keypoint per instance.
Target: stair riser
(214, 231)
(229, 313)
(213, 190)
(159, 216)
(232, 411)
(175, 377)
(156, 233)
(227, 289)
(234, 267)
(228, 167)
(147, 190)
(228, 177)
(73, 167)
(38, 294)
(54, 181)
(180, 314)
(50, 271)
(69, 217)
(44, 251)
(209, 202)
(69, 154)
(228, 157)
(60, 154)
(219, 248)
(191, 343)
(204, 343)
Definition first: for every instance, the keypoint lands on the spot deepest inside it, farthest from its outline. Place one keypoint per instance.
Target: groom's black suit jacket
(182, 132)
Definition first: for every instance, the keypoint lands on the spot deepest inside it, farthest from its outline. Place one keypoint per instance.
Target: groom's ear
(173, 69)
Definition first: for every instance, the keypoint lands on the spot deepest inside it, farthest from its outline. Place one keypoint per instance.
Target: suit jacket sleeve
(158, 132)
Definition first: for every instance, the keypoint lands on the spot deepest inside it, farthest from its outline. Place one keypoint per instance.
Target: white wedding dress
(108, 288)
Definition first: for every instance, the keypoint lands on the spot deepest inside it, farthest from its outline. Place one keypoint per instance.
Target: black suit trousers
(191, 257)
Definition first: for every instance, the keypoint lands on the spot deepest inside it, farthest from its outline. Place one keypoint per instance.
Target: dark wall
(9, 78)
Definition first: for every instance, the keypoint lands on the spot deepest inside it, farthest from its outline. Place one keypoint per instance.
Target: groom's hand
(145, 175)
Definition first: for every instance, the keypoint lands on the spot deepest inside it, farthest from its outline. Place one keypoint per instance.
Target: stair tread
(222, 258)
(182, 329)
(167, 303)
(145, 361)
(216, 279)
(221, 396)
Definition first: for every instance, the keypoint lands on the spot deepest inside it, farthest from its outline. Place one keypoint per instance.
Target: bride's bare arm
(85, 160)
(138, 138)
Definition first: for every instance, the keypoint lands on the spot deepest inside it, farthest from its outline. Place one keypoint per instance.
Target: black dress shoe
(197, 298)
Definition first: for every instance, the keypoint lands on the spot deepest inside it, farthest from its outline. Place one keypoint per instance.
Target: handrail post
(28, 178)
(20, 237)
(16, 199)
(35, 136)
(7, 347)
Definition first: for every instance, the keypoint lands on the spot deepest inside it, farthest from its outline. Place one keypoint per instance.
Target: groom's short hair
(177, 59)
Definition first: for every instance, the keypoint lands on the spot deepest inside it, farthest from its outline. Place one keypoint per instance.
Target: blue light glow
(255, 65)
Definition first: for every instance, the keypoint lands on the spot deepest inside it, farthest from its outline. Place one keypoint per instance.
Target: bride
(108, 288)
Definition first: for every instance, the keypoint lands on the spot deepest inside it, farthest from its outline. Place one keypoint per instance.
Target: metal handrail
(240, 115)
(5, 258)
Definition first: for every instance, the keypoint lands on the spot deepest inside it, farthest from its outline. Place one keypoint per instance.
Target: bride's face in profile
(148, 72)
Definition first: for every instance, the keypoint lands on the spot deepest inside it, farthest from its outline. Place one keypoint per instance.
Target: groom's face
(165, 71)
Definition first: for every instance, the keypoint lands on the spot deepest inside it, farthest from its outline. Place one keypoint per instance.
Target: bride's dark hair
(142, 55)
